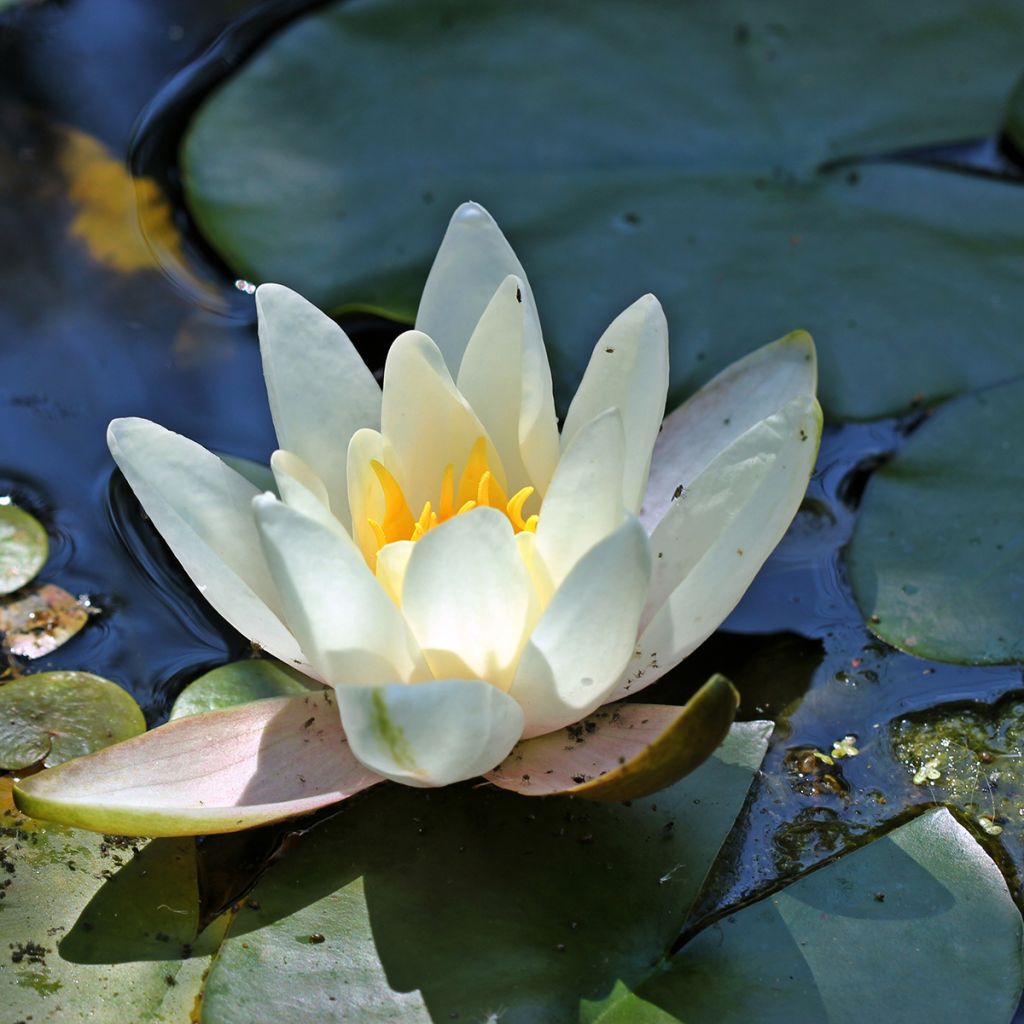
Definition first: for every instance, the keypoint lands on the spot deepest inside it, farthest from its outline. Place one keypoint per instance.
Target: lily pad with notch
(52, 717)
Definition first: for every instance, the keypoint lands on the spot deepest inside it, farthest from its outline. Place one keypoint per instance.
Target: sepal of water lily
(221, 771)
(622, 751)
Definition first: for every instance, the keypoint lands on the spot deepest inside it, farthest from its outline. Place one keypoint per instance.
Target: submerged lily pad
(970, 757)
(40, 620)
(77, 947)
(23, 547)
(937, 555)
(55, 716)
(626, 148)
(239, 683)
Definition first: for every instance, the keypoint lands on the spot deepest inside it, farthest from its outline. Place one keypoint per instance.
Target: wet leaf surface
(937, 556)
(95, 928)
(38, 620)
(23, 547)
(726, 162)
(52, 717)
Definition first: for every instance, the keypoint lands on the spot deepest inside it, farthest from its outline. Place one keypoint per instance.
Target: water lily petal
(432, 733)
(349, 627)
(584, 502)
(366, 501)
(320, 390)
(474, 258)
(202, 509)
(426, 423)
(467, 597)
(623, 751)
(300, 488)
(216, 772)
(725, 408)
(586, 635)
(713, 541)
(505, 377)
(392, 563)
(628, 370)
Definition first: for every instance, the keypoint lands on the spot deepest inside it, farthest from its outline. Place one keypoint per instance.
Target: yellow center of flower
(477, 488)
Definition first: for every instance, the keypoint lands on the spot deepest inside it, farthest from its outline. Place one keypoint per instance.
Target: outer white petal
(349, 627)
(202, 509)
(432, 733)
(473, 259)
(627, 371)
(586, 635)
(506, 379)
(725, 408)
(467, 597)
(426, 422)
(713, 541)
(300, 488)
(320, 390)
(584, 502)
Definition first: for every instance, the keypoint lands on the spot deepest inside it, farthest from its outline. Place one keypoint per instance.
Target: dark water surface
(93, 326)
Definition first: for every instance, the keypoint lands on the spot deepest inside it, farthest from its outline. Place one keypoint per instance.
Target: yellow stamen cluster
(477, 487)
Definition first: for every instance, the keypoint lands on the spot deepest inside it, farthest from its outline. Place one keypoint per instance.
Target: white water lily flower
(461, 575)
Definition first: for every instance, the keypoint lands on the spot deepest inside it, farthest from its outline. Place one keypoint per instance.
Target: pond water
(96, 322)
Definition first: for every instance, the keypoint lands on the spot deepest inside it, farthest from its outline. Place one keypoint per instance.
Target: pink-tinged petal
(743, 394)
(222, 771)
(622, 751)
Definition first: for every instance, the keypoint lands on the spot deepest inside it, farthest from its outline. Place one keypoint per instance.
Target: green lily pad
(24, 547)
(55, 716)
(238, 683)
(40, 619)
(427, 905)
(78, 947)
(937, 555)
(918, 927)
(628, 148)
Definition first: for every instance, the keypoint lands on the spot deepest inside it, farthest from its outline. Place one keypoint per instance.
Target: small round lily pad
(52, 717)
(238, 683)
(23, 547)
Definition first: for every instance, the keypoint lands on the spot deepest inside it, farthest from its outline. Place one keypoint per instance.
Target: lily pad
(23, 547)
(419, 905)
(924, 903)
(937, 555)
(55, 716)
(39, 620)
(238, 683)
(628, 148)
(80, 948)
